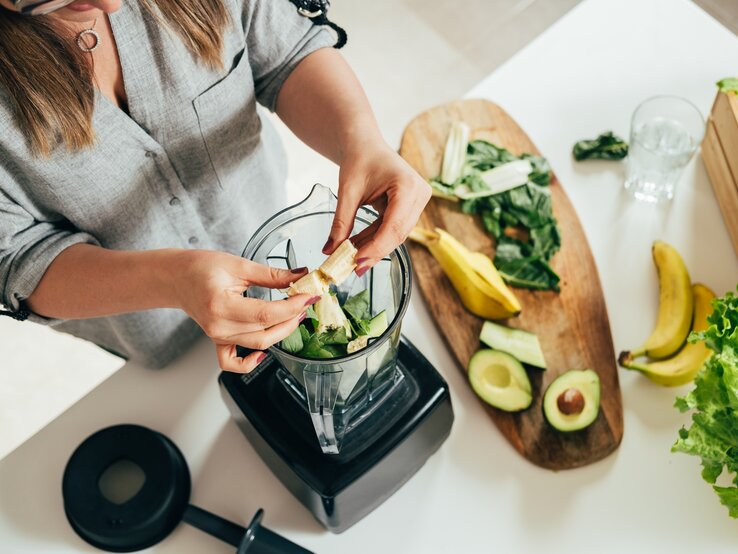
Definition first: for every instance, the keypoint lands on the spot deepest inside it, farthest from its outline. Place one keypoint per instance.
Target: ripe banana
(682, 367)
(472, 274)
(335, 269)
(340, 264)
(676, 305)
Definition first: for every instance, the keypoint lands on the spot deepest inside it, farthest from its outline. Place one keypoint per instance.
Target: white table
(586, 74)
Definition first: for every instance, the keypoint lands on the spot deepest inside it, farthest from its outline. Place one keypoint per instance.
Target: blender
(343, 434)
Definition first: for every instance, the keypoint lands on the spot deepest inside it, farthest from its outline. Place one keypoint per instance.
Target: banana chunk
(340, 264)
(314, 284)
(335, 269)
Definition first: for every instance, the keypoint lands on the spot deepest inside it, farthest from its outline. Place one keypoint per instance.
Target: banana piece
(682, 367)
(676, 304)
(330, 315)
(482, 290)
(335, 269)
(340, 264)
(357, 344)
(314, 284)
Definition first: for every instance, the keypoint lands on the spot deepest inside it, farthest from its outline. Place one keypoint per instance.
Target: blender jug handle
(321, 387)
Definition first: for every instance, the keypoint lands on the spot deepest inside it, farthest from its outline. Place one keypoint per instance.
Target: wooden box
(720, 154)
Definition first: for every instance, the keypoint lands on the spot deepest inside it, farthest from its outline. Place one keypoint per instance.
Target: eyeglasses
(39, 7)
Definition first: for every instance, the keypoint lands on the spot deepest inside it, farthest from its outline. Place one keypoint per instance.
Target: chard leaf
(607, 146)
(357, 306)
(293, 342)
(335, 336)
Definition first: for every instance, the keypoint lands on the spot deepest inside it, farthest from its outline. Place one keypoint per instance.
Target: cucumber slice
(378, 324)
(521, 344)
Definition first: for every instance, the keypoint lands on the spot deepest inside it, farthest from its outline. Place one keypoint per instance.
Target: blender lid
(160, 504)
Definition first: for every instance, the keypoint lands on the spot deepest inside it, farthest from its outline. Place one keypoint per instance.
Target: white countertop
(586, 74)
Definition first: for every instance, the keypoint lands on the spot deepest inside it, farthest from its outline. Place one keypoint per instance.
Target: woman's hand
(209, 286)
(374, 174)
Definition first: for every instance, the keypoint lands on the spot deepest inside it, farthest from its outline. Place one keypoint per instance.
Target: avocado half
(500, 380)
(572, 400)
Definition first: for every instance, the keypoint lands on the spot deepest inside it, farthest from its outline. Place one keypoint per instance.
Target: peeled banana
(340, 264)
(335, 269)
(682, 367)
(676, 305)
(472, 274)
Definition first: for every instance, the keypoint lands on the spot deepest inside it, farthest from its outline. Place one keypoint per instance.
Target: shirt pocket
(229, 123)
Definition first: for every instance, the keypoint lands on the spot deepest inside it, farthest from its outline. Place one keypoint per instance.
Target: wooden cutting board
(572, 325)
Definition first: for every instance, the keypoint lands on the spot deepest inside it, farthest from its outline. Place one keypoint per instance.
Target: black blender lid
(160, 504)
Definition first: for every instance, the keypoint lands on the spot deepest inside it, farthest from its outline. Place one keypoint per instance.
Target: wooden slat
(722, 179)
(572, 325)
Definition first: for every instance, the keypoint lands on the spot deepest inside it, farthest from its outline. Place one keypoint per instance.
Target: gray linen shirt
(193, 166)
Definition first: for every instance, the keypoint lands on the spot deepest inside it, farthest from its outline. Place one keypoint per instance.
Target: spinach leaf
(357, 307)
(607, 146)
(519, 266)
(315, 348)
(335, 336)
(293, 343)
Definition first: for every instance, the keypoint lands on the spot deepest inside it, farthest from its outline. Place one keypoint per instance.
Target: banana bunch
(335, 269)
(472, 274)
(683, 307)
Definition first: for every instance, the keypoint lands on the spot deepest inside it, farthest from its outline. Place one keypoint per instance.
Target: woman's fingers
(263, 339)
(228, 359)
(259, 340)
(251, 314)
(270, 277)
(343, 220)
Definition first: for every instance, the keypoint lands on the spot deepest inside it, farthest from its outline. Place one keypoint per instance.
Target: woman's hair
(50, 80)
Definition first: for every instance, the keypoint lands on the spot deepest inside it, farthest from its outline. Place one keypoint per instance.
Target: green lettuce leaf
(713, 433)
(729, 84)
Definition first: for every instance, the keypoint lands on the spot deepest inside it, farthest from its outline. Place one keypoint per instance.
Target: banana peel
(472, 274)
(683, 366)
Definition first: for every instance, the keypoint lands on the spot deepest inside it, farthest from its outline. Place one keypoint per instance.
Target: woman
(134, 166)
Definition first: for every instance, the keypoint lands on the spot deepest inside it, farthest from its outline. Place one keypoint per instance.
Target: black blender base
(341, 489)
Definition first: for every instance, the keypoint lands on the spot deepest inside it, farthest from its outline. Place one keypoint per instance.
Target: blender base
(387, 449)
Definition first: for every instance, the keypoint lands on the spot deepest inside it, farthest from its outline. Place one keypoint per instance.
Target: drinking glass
(665, 132)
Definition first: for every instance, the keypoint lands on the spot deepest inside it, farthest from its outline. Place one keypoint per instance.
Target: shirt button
(193, 240)
(174, 201)
(150, 154)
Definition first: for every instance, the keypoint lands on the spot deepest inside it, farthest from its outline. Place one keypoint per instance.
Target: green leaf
(312, 317)
(335, 336)
(316, 349)
(728, 498)
(517, 265)
(729, 84)
(607, 146)
(357, 306)
(293, 343)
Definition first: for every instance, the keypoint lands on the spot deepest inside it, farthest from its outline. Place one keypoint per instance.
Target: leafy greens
(307, 342)
(522, 258)
(729, 84)
(713, 435)
(607, 146)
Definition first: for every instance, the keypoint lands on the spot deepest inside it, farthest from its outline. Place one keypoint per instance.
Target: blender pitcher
(338, 393)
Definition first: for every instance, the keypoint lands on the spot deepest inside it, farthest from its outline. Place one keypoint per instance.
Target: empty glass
(340, 392)
(665, 132)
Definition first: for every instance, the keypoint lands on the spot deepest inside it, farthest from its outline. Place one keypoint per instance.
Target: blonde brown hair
(50, 81)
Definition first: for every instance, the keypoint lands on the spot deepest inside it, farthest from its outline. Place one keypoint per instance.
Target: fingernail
(328, 245)
(261, 357)
(360, 271)
(298, 270)
(361, 261)
(302, 317)
(312, 300)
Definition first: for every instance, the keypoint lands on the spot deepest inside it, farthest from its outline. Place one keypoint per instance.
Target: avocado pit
(571, 401)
